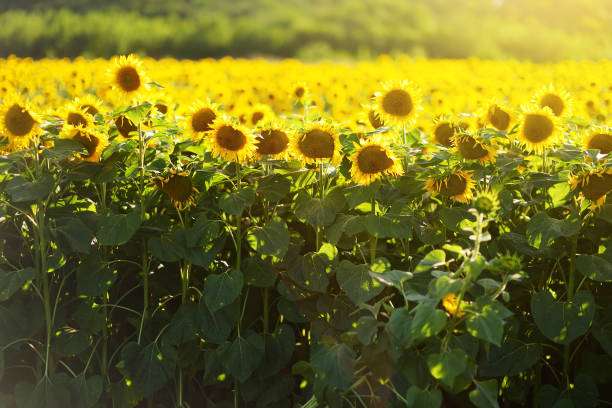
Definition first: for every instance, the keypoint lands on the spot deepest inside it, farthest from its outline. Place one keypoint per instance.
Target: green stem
(144, 260)
(544, 161)
(42, 243)
(570, 298)
(319, 231)
(373, 239)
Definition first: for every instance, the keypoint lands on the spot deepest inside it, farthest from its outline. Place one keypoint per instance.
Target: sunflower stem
(144, 255)
(373, 239)
(570, 298)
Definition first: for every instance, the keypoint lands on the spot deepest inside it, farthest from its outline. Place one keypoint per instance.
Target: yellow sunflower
(90, 103)
(593, 185)
(442, 132)
(231, 141)
(95, 142)
(258, 114)
(299, 92)
(317, 142)
(458, 185)
(17, 121)
(472, 149)
(557, 100)
(200, 118)
(498, 116)
(449, 302)
(272, 141)
(538, 128)
(398, 103)
(369, 116)
(599, 138)
(127, 77)
(178, 187)
(371, 159)
(73, 114)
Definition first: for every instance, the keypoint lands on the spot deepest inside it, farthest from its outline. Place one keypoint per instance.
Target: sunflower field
(254, 233)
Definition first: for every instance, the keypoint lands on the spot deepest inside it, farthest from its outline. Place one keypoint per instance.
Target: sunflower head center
(125, 126)
(538, 128)
(554, 102)
(397, 102)
(471, 149)
(499, 118)
(161, 108)
(202, 119)
(601, 141)
(256, 117)
(443, 134)
(597, 186)
(374, 119)
(76, 119)
(18, 121)
(92, 110)
(373, 159)
(453, 185)
(89, 141)
(230, 138)
(299, 91)
(178, 187)
(272, 141)
(128, 79)
(317, 144)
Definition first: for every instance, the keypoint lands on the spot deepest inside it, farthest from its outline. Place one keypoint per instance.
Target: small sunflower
(458, 185)
(472, 149)
(90, 103)
(442, 132)
(127, 76)
(299, 92)
(231, 141)
(17, 121)
(75, 115)
(272, 141)
(449, 302)
(125, 127)
(398, 103)
(486, 202)
(599, 138)
(259, 113)
(200, 118)
(593, 185)
(317, 142)
(557, 100)
(371, 159)
(499, 117)
(538, 128)
(178, 187)
(369, 115)
(94, 141)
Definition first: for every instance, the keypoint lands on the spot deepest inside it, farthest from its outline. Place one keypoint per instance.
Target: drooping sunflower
(457, 185)
(231, 141)
(95, 142)
(200, 118)
(599, 138)
(125, 127)
(593, 185)
(18, 123)
(127, 76)
(371, 159)
(557, 100)
(317, 142)
(538, 128)
(369, 116)
(498, 116)
(442, 132)
(399, 103)
(178, 187)
(272, 141)
(473, 149)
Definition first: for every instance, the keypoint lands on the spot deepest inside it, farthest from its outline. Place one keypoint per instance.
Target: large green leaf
(273, 239)
(563, 322)
(447, 366)
(485, 394)
(11, 282)
(94, 277)
(333, 364)
(258, 272)
(452, 217)
(216, 327)
(542, 230)
(234, 203)
(149, 367)
(400, 328)
(419, 398)
(309, 271)
(427, 322)
(319, 212)
(184, 324)
(117, 229)
(279, 346)
(243, 356)
(512, 358)
(85, 391)
(602, 329)
(222, 289)
(486, 325)
(46, 394)
(356, 282)
(433, 259)
(70, 342)
(75, 233)
(22, 190)
(595, 267)
(389, 226)
(274, 187)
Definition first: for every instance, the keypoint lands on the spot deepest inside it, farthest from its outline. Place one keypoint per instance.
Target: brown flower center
(76, 119)
(443, 134)
(256, 117)
(598, 186)
(317, 144)
(299, 92)
(373, 159)
(18, 121)
(453, 185)
(397, 102)
(92, 110)
(89, 141)
(537, 128)
(161, 108)
(230, 138)
(178, 187)
(601, 141)
(471, 149)
(499, 118)
(125, 126)
(375, 119)
(202, 119)
(128, 79)
(272, 141)
(554, 102)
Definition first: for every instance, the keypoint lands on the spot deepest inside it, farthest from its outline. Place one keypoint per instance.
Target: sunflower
(127, 76)
(369, 115)
(231, 141)
(398, 103)
(90, 103)
(442, 132)
(371, 159)
(449, 302)
(94, 141)
(75, 115)
(557, 100)
(472, 149)
(499, 117)
(538, 128)
(318, 141)
(125, 127)
(178, 187)
(200, 118)
(272, 141)
(17, 121)
(258, 114)
(458, 185)
(593, 185)
(599, 138)
(299, 92)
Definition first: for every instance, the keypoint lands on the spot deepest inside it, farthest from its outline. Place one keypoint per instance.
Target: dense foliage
(247, 234)
(542, 30)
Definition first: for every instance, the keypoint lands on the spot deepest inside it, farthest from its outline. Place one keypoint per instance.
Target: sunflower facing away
(369, 116)
(593, 185)
(599, 138)
(272, 141)
(371, 160)
(557, 100)
(317, 142)
(472, 149)
(231, 141)
(94, 141)
(398, 103)
(458, 185)
(442, 133)
(178, 187)
(499, 117)
(538, 128)
(17, 122)
(200, 118)
(127, 76)
(125, 127)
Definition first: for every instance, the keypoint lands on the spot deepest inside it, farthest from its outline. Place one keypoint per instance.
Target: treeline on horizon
(536, 30)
